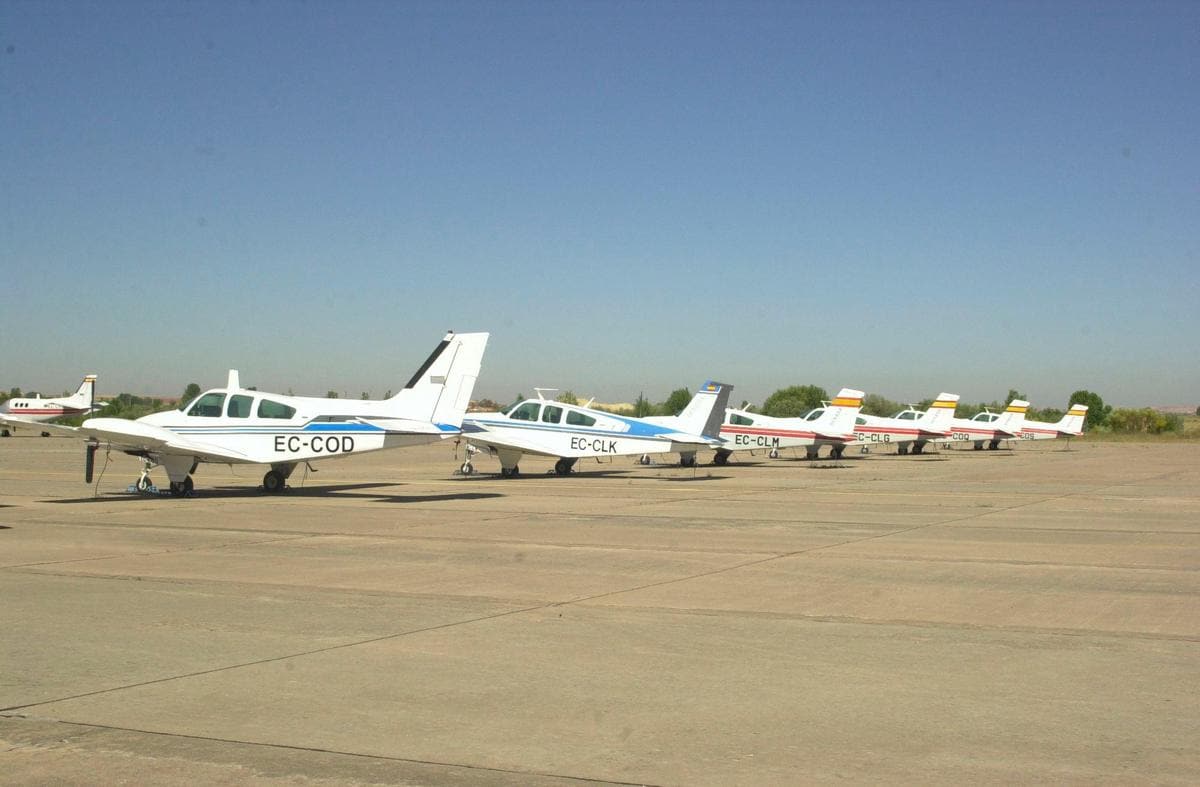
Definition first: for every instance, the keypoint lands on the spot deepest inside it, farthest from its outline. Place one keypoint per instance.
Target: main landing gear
(563, 466)
(275, 481)
(721, 457)
(510, 472)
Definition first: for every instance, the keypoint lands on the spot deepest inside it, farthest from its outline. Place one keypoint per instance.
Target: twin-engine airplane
(1070, 425)
(24, 411)
(990, 428)
(570, 432)
(832, 425)
(235, 425)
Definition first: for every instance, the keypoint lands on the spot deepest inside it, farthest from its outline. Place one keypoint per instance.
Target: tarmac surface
(999, 616)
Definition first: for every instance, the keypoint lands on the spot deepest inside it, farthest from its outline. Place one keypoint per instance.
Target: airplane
(235, 425)
(1070, 425)
(989, 428)
(910, 427)
(26, 411)
(570, 432)
(833, 426)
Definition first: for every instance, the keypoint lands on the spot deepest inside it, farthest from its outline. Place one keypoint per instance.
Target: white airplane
(26, 411)
(235, 425)
(570, 432)
(1070, 425)
(990, 428)
(910, 427)
(833, 426)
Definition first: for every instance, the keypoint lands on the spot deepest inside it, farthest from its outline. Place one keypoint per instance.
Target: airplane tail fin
(441, 389)
(705, 412)
(87, 390)
(1013, 417)
(940, 414)
(1072, 422)
(840, 415)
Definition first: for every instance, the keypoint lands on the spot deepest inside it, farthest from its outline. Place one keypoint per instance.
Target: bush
(1144, 421)
(794, 401)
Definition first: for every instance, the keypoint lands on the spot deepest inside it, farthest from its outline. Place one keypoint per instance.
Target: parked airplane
(235, 425)
(569, 432)
(915, 428)
(990, 428)
(1070, 425)
(26, 411)
(833, 426)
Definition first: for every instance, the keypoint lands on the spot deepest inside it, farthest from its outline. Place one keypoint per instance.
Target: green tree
(794, 401)
(1098, 412)
(567, 397)
(675, 403)
(365, 395)
(874, 404)
(642, 407)
(331, 394)
(189, 393)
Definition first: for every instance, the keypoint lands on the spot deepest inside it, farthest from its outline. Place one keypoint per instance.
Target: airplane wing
(482, 436)
(835, 437)
(134, 436)
(17, 422)
(682, 438)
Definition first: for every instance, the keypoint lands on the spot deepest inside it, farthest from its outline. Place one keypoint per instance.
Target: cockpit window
(815, 414)
(579, 419)
(551, 414)
(528, 411)
(907, 415)
(239, 406)
(986, 418)
(740, 420)
(208, 405)
(269, 409)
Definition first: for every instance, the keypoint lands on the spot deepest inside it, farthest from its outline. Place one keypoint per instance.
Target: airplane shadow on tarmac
(330, 491)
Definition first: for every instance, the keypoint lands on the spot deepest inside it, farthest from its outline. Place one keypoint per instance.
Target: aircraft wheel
(811, 452)
(563, 466)
(182, 488)
(836, 451)
(902, 450)
(918, 448)
(773, 453)
(467, 468)
(273, 482)
(687, 460)
(143, 484)
(979, 445)
(5, 433)
(644, 459)
(512, 472)
(45, 434)
(721, 458)
(992, 446)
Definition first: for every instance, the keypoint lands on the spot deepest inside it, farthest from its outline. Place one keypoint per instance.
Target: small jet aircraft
(1070, 425)
(910, 427)
(990, 428)
(832, 426)
(26, 411)
(570, 432)
(235, 425)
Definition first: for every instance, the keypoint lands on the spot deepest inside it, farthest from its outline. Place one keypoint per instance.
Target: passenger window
(209, 405)
(239, 406)
(551, 414)
(741, 420)
(907, 415)
(815, 414)
(860, 421)
(269, 409)
(579, 419)
(528, 411)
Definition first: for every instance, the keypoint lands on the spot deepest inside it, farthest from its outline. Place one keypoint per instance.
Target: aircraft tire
(978, 445)
(5, 433)
(918, 448)
(902, 450)
(182, 488)
(143, 484)
(837, 451)
(686, 460)
(563, 466)
(721, 458)
(992, 446)
(811, 452)
(273, 482)
(773, 453)
(644, 459)
(467, 468)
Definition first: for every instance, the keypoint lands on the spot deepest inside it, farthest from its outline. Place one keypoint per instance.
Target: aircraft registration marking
(318, 444)
(595, 444)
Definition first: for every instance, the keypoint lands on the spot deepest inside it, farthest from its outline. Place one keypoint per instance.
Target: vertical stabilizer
(706, 410)
(1072, 422)
(441, 389)
(840, 415)
(87, 390)
(1013, 417)
(940, 415)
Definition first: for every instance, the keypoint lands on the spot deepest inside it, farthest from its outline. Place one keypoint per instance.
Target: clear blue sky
(899, 197)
